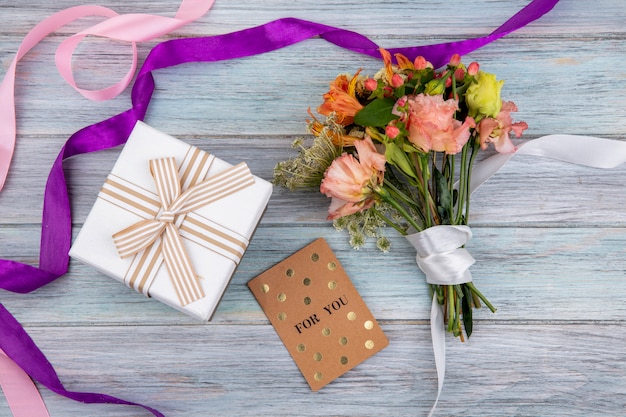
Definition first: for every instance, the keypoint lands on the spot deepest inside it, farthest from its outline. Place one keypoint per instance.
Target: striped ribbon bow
(175, 204)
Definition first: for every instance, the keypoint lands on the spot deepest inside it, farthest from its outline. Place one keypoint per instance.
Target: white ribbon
(580, 150)
(439, 249)
(441, 257)
(440, 254)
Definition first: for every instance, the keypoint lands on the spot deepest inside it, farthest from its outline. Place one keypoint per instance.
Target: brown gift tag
(318, 314)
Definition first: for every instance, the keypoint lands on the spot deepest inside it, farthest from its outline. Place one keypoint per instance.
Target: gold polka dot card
(318, 314)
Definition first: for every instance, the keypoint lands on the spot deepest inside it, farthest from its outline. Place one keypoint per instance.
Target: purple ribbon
(56, 219)
(18, 346)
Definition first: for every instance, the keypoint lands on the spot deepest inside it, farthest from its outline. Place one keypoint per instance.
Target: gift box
(172, 221)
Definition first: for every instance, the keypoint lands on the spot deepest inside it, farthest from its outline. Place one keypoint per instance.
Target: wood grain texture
(526, 370)
(549, 238)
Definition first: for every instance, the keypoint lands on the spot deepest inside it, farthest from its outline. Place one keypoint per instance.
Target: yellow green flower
(483, 96)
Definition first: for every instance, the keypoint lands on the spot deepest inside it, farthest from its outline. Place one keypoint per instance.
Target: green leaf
(377, 113)
(444, 197)
(395, 156)
(410, 148)
(467, 311)
(399, 92)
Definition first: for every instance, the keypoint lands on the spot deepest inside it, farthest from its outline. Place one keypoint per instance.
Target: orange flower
(404, 62)
(341, 99)
(352, 183)
(338, 139)
(388, 66)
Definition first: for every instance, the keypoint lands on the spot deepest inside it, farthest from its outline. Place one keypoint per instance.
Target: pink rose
(473, 68)
(392, 131)
(397, 81)
(497, 130)
(432, 125)
(420, 63)
(371, 84)
(351, 182)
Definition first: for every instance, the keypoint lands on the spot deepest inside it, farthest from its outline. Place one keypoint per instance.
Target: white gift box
(213, 235)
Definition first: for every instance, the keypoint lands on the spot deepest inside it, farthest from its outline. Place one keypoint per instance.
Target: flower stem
(462, 186)
(396, 192)
(449, 170)
(386, 197)
(429, 217)
(388, 221)
(481, 296)
(451, 308)
(469, 178)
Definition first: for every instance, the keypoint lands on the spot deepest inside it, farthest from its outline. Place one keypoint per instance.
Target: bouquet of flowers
(397, 149)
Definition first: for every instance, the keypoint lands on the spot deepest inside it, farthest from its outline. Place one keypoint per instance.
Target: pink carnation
(497, 130)
(351, 182)
(432, 125)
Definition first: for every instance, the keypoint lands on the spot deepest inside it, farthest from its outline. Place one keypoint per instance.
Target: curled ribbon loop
(163, 229)
(132, 28)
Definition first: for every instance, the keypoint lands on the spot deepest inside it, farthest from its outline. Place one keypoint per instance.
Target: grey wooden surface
(549, 238)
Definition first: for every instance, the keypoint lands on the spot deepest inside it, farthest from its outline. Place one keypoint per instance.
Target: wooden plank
(529, 191)
(212, 93)
(234, 370)
(530, 274)
(409, 18)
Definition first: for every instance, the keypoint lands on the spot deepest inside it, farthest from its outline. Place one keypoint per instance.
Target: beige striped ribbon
(169, 216)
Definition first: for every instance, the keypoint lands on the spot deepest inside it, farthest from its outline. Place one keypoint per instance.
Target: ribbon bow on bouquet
(397, 149)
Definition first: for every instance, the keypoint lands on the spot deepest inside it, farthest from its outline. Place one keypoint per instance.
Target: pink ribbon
(19, 390)
(131, 28)
(22, 396)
